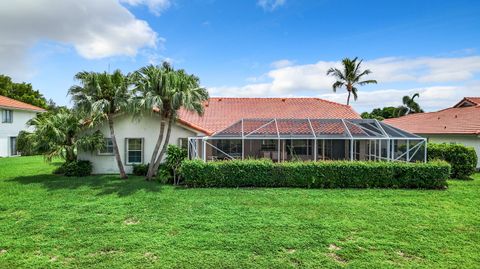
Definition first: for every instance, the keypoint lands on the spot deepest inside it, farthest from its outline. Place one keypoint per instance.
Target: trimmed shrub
(60, 170)
(462, 159)
(329, 174)
(77, 168)
(164, 175)
(140, 169)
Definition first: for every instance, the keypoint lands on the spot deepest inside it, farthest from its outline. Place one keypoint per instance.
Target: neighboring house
(458, 124)
(136, 138)
(14, 117)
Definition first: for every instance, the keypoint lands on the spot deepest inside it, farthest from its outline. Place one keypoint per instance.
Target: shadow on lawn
(105, 184)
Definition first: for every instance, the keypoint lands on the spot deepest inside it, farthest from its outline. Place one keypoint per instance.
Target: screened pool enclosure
(309, 139)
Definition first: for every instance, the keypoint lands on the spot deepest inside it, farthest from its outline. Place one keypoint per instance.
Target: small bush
(175, 156)
(76, 169)
(331, 174)
(164, 175)
(140, 169)
(462, 159)
(60, 170)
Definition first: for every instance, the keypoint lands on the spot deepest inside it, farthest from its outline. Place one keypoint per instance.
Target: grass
(49, 221)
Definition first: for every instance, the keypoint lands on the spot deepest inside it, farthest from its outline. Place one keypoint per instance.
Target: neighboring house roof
(10, 103)
(463, 118)
(221, 112)
(468, 101)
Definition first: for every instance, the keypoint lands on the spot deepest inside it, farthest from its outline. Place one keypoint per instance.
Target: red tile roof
(454, 120)
(6, 102)
(221, 112)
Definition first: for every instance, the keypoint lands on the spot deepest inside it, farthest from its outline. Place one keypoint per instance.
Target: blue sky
(253, 48)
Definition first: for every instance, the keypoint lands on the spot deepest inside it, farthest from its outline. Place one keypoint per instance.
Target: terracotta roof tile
(221, 112)
(455, 120)
(6, 102)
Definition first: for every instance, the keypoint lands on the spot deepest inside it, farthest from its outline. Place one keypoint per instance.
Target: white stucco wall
(467, 140)
(125, 127)
(7, 130)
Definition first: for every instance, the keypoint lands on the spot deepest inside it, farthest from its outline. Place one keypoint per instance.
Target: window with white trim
(108, 148)
(134, 150)
(13, 146)
(7, 116)
(183, 143)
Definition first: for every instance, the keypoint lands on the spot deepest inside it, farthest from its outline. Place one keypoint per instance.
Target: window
(183, 143)
(268, 145)
(299, 147)
(13, 146)
(7, 116)
(134, 148)
(108, 149)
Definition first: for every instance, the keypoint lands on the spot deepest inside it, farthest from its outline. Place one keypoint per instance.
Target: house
(136, 138)
(14, 117)
(458, 124)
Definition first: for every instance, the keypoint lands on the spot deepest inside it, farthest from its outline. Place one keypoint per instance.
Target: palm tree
(166, 90)
(60, 134)
(102, 96)
(410, 106)
(350, 77)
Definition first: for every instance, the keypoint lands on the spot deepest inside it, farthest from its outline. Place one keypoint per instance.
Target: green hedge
(462, 159)
(332, 174)
(75, 169)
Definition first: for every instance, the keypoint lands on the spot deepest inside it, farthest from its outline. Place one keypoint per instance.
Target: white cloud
(155, 6)
(431, 98)
(270, 5)
(425, 69)
(311, 80)
(96, 29)
(281, 63)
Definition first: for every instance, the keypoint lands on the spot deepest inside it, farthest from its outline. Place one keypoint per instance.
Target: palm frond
(365, 82)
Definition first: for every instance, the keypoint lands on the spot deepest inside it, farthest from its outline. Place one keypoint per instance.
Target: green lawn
(104, 222)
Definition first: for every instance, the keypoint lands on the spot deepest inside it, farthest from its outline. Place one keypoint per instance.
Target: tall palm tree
(102, 96)
(152, 89)
(410, 106)
(350, 77)
(60, 134)
(186, 93)
(165, 90)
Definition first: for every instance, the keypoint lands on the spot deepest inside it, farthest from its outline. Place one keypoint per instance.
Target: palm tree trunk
(165, 144)
(151, 170)
(70, 155)
(348, 98)
(115, 148)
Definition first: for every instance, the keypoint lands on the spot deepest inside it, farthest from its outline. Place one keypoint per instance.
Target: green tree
(61, 134)
(381, 113)
(21, 92)
(409, 106)
(350, 78)
(166, 90)
(101, 96)
(25, 144)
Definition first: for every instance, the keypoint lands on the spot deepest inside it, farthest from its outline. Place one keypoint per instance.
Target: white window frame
(106, 153)
(127, 150)
(6, 112)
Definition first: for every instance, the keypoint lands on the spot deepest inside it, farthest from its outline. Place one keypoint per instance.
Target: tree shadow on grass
(101, 184)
